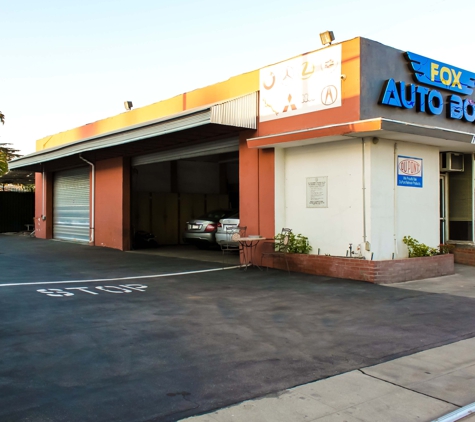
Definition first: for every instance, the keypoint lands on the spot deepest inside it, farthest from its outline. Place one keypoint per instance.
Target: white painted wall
(381, 199)
(331, 229)
(416, 213)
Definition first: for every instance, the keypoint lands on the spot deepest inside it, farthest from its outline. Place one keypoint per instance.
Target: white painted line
(97, 280)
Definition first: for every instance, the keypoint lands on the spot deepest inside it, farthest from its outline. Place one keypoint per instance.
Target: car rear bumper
(194, 238)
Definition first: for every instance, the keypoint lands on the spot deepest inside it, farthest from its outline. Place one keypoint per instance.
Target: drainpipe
(395, 201)
(93, 196)
(364, 190)
(43, 206)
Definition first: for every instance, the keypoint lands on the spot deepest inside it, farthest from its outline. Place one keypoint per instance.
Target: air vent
(451, 161)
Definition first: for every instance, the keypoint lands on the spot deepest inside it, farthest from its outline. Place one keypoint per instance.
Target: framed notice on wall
(409, 171)
(317, 192)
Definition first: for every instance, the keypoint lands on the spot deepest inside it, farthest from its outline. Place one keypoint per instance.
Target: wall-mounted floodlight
(128, 105)
(327, 37)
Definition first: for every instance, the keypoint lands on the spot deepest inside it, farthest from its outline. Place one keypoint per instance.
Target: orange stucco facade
(112, 204)
(257, 166)
(350, 93)
(111, 214)
(310, 143)
(44, 206)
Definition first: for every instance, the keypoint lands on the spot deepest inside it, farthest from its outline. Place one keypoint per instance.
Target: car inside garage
(171, 187)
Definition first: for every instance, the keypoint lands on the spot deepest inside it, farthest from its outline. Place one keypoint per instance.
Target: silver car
(201, 231)
(230, 222)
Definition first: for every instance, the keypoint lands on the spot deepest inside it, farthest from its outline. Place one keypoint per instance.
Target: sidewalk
(420, 387)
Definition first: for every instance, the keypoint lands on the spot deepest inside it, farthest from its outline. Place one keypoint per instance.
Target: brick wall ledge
(464, 253)
(378, 272)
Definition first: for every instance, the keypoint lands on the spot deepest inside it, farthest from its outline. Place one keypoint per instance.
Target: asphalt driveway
(137, 344)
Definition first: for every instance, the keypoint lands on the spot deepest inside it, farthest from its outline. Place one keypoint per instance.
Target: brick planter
(379, 272)
(464, 254)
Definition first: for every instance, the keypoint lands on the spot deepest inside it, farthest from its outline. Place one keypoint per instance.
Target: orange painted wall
(266, 193)
(44, 228)
(349, 110)
(257, 167)
(234, 87)
(256, 189)
(248, 185)
(112, 204)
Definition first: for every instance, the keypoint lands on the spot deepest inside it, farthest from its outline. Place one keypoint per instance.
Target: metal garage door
(208, 148)
(71, 205)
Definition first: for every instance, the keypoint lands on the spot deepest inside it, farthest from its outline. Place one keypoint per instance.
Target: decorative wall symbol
(329, 95)
(268, 85)
(291, 104)
(295, 86)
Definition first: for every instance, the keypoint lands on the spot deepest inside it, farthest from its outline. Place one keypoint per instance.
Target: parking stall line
(97, 280)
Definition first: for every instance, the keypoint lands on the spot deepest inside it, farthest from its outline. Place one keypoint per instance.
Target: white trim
(386, 125)
(97, 280)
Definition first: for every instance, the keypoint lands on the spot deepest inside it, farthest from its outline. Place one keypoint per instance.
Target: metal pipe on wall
(364, 189)
(93, 194)
(395, 253)
(473, 198)
(43, 179)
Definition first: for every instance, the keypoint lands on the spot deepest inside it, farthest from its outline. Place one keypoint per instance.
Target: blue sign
(409, 171)
(441, 75)
(426, 100)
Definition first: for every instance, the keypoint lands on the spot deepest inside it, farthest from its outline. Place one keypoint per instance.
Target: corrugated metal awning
(239, 112)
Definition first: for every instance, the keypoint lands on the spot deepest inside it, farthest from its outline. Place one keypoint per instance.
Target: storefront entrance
(456, 200)
(443, 208)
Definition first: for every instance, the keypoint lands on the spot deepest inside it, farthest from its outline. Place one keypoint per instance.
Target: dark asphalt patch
(189, 344)
(26, 259)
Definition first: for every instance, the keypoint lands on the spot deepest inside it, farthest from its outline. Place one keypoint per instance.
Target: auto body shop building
(354, 143)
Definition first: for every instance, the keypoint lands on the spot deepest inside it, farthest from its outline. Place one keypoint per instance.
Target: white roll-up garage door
(71, 205)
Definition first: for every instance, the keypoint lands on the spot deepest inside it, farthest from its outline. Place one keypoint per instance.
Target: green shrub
(417, 249)
(297, 243)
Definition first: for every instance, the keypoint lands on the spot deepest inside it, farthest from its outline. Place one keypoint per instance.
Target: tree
(7, 153)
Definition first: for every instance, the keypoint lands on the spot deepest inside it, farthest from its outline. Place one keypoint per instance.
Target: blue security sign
(441, 75)
(409, 171)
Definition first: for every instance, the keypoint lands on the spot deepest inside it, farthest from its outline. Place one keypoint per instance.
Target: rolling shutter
(208, 148)
(71, 208)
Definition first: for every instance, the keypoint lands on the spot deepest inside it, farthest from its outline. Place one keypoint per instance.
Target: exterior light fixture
(128, 105)
(327, 37)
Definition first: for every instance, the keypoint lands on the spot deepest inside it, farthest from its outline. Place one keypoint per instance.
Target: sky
(65, 64)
